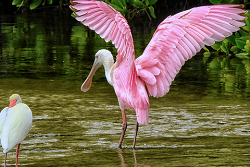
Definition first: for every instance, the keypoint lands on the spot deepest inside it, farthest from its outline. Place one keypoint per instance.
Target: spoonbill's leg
(5, 160)
(17, 153)
(136, 130)
(124, 127)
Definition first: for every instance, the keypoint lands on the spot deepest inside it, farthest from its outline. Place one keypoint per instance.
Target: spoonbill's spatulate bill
(15, 123)
(176, 40)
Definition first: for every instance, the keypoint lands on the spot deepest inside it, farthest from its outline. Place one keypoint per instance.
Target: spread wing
(106, 22)
(180, 37)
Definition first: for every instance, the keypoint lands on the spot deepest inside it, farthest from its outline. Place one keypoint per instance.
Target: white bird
(15, 123)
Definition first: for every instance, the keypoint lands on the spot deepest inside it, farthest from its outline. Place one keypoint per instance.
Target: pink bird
(177, 39)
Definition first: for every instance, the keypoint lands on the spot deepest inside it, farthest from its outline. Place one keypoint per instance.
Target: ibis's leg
(136, 130)
(17, 153)
(124, 127)
(5, 160)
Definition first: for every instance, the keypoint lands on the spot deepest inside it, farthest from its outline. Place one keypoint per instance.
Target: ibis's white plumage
(15, 123)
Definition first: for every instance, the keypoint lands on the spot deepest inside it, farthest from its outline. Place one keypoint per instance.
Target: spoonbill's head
(14, 99)
(102, 57)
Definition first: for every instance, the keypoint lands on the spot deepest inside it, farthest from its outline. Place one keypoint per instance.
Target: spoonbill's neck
(108, 63)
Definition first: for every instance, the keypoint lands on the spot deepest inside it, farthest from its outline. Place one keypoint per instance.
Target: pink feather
(202, 26)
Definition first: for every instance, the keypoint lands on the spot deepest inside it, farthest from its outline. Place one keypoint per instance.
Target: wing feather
(106, 22)
(195, 44)
(180, 37)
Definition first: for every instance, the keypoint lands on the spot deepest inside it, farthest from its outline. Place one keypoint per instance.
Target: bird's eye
(96, 57)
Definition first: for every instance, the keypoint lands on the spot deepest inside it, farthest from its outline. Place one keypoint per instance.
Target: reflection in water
(123, 163)
(203, 120)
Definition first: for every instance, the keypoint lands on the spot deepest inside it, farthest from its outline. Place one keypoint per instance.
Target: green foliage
(18, 3)
(130, 8)
(216, 2)
(119, 5)
(33, 3)
(238, 43)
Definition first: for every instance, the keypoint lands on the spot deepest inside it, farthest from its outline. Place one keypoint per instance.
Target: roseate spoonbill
(175, 40)
(15, 123)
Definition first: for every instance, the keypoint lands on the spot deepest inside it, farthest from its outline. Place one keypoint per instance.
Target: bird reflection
(123, 163)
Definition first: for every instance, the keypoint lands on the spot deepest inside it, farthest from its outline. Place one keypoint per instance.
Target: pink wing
(106, 22)
(180, 37)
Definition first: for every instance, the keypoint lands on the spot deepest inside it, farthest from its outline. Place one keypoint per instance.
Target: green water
(202, 121)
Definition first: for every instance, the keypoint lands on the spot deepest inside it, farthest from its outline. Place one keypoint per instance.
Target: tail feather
(142, 116)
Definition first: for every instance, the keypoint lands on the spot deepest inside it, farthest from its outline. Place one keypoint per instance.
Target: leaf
(72, 15)
(226, 1)
(206, 54)
(247, 22)
(121, 3)
(147, 2)
(151, 2)
(141, 10)
(248, 42)
(231, 39)
(17, 2)
(224, 46)
(49, 2)
(216, 46)
(237, 35)
(244, 38)
(240, 43)
(247, 28)
(247, 47)
(236, 2)
(215, 2)
(136, 3)
(122, 11)
(152, 11)
(242, 55)
(243, 33)
(234, 48)
(35, 4)
(248, 15)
